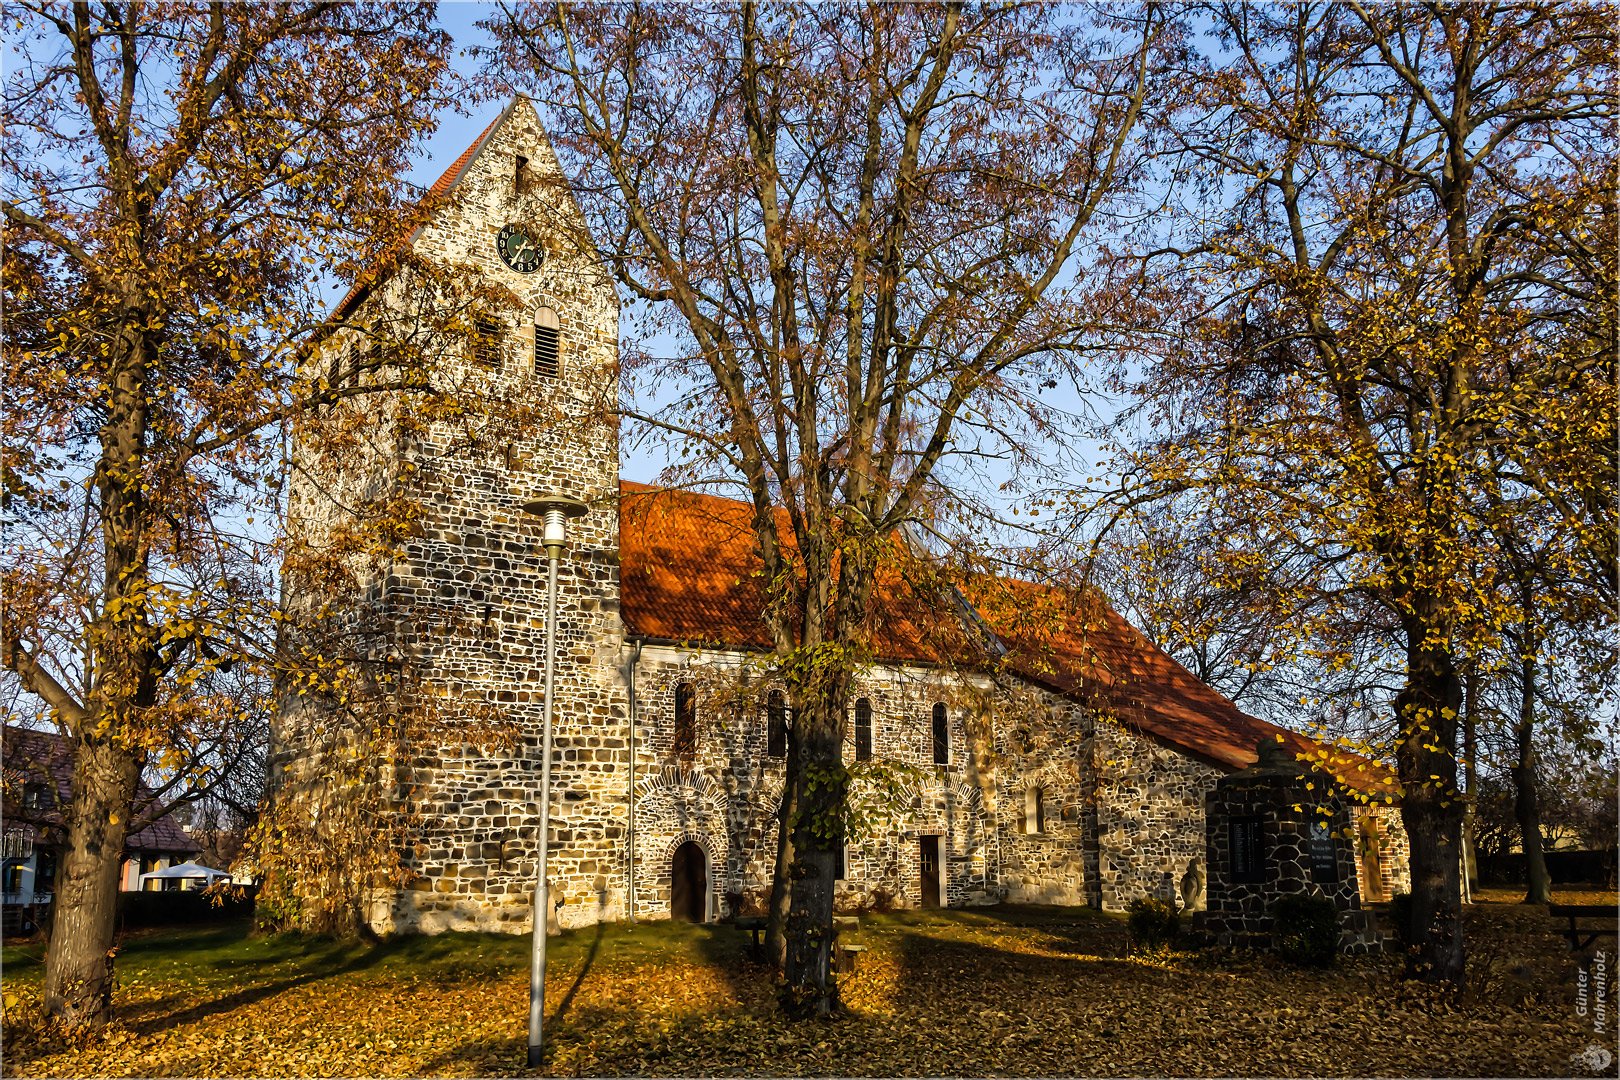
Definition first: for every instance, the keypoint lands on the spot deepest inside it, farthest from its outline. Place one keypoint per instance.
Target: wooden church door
(689, 883)
(930, 871)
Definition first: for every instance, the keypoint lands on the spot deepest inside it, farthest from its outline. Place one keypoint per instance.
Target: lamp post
(555, 510)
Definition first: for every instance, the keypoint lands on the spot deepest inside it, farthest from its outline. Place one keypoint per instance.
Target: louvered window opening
(547, 364)
(487, 342)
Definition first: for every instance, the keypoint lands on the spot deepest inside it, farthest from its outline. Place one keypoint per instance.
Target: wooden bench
(755, 926)
(1583, 937)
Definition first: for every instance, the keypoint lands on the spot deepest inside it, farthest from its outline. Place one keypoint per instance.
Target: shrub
(1305, 930)
(1152, 922)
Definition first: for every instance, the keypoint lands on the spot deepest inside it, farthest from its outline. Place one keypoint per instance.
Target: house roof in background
(29, 757)
(690, 572)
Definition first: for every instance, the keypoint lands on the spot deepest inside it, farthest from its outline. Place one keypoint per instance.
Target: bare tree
(182, 182)
(862, 225)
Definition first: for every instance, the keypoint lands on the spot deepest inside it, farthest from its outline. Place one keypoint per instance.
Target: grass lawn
(1009, 991)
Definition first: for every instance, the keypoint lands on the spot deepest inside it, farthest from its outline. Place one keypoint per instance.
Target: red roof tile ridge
(684, 579)
(444, 183)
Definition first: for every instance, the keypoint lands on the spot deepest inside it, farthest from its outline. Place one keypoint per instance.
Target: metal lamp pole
(555, 510)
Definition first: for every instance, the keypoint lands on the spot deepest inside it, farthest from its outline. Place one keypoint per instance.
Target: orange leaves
(1008, 991)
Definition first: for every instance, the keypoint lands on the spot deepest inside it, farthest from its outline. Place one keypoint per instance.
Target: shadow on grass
(725, 947)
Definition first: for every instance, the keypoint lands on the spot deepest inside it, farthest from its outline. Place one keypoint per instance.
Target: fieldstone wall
(1149, 805)
(728, 789)
(465, 604)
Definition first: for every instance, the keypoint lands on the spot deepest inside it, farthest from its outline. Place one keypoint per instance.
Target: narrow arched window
(942, 735)
(776, 725)
(685, 719)
(1034, 810)
(863, 730)
(547, 343)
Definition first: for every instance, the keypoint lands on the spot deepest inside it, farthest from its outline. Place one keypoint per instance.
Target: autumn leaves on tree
(183, 182)
(862, 225)
(1355, 266)
(1388, 314)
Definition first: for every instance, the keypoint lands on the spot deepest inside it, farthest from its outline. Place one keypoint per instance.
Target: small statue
(1192, 887)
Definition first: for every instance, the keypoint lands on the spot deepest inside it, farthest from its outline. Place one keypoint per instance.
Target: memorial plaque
(1248, 858)
(1324, 857)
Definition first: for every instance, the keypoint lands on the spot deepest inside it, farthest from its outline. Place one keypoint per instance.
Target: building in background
(37, 771)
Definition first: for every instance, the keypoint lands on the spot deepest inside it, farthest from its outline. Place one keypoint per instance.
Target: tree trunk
(79, 959)
(124, 679)
(809, 988)
(1430, 808)
(1470, 779)
(1526, 803)
(781, 884)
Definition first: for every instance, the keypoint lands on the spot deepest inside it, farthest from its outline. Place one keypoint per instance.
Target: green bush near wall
(1305, 930)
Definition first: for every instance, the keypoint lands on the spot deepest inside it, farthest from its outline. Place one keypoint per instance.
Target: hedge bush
(1152, 922)
(1305, 930)
(137, 910)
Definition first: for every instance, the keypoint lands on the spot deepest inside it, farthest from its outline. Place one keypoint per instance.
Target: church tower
(459, 617)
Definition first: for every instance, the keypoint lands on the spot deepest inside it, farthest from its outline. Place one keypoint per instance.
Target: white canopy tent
(186, 870)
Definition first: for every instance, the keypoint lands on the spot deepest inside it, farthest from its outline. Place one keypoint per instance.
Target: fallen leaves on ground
(1003, 991)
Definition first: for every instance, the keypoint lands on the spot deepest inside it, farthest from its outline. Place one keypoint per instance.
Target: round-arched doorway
(689, 883)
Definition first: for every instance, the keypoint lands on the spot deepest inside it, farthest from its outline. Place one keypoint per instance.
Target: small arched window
(863, 730)
(942, 735)
(776, 724)
(547, 343)
(1034, 810)
(685, 719)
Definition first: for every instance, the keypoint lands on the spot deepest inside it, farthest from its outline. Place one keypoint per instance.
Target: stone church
(1072, 772)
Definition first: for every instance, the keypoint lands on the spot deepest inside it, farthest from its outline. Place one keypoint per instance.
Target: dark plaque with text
(1248, 859)
(1324, 858)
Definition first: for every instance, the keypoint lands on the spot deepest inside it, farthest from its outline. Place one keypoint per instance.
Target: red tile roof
(690, 572)
(384, 263)
(45, 757)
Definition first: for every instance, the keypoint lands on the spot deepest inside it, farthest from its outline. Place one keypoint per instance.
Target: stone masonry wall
(1149, 812)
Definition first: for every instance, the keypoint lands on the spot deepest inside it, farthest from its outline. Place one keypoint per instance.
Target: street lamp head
(555, 510)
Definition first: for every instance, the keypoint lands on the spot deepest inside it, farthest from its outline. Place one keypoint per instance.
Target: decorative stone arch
(675, 806)
(673, 780)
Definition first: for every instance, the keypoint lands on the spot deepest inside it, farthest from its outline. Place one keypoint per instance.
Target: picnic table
(754, 925)
(1582, 937)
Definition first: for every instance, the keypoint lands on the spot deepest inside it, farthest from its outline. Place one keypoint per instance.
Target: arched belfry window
(863, 729)
(776, 724)
(547, 343)
(685, 719)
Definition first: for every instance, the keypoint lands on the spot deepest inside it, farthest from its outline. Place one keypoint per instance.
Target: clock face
(518, 250)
